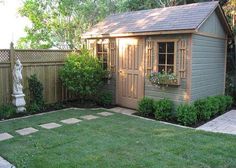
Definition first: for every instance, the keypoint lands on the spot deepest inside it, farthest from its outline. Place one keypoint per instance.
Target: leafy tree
(59, 23)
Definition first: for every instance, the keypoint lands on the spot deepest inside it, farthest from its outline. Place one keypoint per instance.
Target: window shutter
(112, 55)
(182, 50)
(149, 59)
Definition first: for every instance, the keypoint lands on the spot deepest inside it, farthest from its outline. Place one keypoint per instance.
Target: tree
(59, 23)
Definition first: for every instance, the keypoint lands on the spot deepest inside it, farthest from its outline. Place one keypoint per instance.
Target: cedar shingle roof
(184, 17)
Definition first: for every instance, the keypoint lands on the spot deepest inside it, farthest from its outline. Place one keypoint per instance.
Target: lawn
(113, 141)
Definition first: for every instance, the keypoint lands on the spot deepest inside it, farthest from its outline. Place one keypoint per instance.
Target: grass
(114, 141)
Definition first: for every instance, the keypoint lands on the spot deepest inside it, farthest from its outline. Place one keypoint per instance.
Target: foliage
(36, 103)
(160, 78)
(82, 74)
(186, 114)
(104, 98)
(229, 102)
(203, 110)
(229, 85)
(213, 104)
(59, 23)
(163, 109)
(145, 106)
(7, 111)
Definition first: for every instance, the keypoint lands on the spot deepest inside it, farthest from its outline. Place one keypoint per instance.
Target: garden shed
(189, 41)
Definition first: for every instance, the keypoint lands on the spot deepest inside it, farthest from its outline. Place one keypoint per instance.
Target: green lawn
(114, 141)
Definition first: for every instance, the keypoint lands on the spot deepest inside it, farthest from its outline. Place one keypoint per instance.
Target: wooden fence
(44, 63)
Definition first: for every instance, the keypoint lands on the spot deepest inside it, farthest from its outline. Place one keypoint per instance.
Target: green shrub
(203, 110)
(222, 103)
(7, 111)
(36, 102)
(186, 114)
(213, 104)
(163, 109)
(229, 102)
(104, 98)
(82, 74)
(145, 106)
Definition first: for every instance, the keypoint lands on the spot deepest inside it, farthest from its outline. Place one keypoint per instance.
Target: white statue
(17, 78)
(18, 96)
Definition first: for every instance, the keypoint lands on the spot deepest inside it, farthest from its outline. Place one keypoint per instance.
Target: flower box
(163, 78)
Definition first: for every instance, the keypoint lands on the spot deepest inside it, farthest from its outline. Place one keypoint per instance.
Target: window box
(164, 78)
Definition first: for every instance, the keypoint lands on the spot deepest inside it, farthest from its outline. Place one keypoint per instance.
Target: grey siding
(175, 93)
(208, 63)
(213, 26)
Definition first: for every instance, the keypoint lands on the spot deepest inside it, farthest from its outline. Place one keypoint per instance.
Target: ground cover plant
(114, 141)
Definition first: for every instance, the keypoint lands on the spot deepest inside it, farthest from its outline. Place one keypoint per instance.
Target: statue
(18, 96)
(17, 78)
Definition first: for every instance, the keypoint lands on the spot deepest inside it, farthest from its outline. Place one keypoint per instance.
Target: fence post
(12, 59)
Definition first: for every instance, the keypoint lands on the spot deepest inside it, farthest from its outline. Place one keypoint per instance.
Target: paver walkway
(5, 164)
(225, 123)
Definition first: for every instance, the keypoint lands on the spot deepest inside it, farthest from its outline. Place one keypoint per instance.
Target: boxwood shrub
(7, 111)
(163, 109)
(186, 114)
(203, 110)
(145, 106)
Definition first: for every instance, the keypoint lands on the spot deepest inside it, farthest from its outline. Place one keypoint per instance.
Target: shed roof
(183, 17)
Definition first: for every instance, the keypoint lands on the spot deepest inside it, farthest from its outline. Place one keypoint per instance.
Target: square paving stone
(26, 131)
(89, 117)
(105, 114)
(50, 125)
(5, 136)
(71, 121)
(5, 164)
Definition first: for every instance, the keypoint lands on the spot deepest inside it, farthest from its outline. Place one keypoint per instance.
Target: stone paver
(105, 114)
(26, 131)
(225, 123)
(89, 117)
(4, 136)
(123, 110)
(71, 121)
(50, 125)
(5, 164)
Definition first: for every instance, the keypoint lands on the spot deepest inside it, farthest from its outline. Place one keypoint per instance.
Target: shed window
(102, 49)
(166, 56)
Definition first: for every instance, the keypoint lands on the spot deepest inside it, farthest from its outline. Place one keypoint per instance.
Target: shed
(189, 41)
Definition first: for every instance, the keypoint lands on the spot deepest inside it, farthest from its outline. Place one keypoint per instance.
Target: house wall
(208, 59)
(178, 94)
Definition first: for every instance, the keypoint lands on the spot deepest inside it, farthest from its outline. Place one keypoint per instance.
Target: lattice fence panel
(182, 50)
(149, 59)
(4, 56)
(41, 56)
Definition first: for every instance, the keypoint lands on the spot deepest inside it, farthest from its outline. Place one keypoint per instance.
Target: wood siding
(178, 94)
(213, 26)
(208, 64)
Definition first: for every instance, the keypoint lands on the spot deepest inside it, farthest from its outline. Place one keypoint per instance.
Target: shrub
(36, 103)
(203, 109)
(7, 111)
(222, 103)
(82, 74)
(104, 98)
(145, 106)
(186, 114)
(163, 109)
(213, 104)
(229, 102)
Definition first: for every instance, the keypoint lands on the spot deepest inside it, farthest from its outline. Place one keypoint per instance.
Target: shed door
(130, 72)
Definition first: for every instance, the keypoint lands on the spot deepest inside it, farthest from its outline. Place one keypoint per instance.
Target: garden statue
(18, 96)
(17, 78)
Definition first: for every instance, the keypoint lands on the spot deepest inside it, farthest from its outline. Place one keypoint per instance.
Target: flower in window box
(163, 78)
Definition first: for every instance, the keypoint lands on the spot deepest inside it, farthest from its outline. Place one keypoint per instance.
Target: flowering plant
(163, 78)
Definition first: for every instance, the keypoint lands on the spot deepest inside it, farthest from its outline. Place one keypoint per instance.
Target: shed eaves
(184, 17)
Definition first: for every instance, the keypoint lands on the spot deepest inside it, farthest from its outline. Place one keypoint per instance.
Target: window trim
(157, 53)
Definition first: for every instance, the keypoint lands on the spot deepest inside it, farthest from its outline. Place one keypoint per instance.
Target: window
(102, 52)
(166, 56)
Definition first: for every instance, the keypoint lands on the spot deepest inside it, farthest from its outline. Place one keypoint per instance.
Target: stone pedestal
(19, 102)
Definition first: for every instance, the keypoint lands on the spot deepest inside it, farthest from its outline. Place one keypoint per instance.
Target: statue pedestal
(19, 102)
